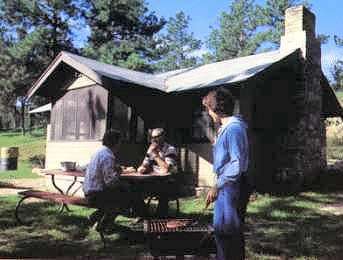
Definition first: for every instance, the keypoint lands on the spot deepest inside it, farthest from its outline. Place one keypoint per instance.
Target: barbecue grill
(192, 238)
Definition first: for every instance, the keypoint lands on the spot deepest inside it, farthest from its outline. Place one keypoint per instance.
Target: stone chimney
(300, 32)
(309, 132)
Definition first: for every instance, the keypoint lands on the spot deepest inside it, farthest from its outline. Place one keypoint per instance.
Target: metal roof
(224, 72)
(218, 73)
(118, 73)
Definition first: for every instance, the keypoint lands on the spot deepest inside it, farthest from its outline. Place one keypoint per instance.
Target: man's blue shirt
(231, 151)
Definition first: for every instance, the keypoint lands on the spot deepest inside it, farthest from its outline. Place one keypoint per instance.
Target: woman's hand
(211, 196)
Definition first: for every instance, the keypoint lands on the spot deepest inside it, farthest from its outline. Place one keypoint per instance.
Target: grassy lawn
(29, 145)
(292, 227)
(339, 95)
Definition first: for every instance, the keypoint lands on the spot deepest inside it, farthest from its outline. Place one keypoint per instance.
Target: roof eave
(62, 57)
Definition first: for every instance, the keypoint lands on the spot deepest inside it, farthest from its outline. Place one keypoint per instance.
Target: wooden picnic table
(149, 185)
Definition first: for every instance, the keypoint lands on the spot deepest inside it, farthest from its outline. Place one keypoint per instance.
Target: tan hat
(157, 132)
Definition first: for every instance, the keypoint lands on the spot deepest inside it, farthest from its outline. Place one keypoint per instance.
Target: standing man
(230, 164)
(161, 157)
(102, 186)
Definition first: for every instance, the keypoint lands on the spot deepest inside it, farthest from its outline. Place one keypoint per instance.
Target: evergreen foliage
(123, 32)
(178, 45)
(337, 69)
(247, 28)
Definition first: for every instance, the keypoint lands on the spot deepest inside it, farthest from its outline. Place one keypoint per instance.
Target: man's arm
(161, 163)
(230, 171)
(111, 170)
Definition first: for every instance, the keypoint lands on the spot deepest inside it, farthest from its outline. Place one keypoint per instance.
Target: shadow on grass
(290, 226)
(294, 227)
(51, 234)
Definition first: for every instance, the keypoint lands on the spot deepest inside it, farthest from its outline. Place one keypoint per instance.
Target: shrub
(37, 160)
(334, 131)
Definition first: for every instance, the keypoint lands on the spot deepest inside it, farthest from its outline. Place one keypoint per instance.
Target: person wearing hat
(161, 157)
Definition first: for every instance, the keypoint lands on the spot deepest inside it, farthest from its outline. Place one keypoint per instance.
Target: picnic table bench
(65, 199)
(49, 196)
(58, 198)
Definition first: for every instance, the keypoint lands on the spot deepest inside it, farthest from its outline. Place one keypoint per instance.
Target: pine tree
(248, 28)
(272, 16)
(36, 31)
(337, 69)
(178, 45)
(122, 32)
(237, 33)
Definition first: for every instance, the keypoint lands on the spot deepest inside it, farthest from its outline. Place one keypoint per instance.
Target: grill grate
(160, 226)
(192, 238)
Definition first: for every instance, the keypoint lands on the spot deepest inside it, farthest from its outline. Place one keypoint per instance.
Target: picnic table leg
(64, 206)
(17, 209)
(77, 189)
(16, 213)
(71, 185)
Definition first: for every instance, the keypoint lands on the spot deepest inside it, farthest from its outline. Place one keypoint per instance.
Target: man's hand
(128, 169)
(211, 196)
(141, 169)
(152, 148)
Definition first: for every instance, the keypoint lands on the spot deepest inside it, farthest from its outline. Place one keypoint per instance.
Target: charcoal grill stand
(188, 240)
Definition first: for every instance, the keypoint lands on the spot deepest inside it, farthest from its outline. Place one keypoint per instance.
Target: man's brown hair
(111, 138)
(220, 100)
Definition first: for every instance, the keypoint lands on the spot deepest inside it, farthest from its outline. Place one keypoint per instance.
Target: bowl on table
(68, 166)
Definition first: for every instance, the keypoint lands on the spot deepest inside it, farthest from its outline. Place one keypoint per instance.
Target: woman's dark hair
(221, 101)
(111, 138)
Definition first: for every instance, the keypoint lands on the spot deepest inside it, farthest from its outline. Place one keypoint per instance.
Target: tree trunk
(22, 115)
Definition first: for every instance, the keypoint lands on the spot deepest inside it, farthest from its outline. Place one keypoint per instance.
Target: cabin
(283, 95)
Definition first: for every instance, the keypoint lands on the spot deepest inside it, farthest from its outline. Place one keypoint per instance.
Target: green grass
(339, 95)
(293, 227)
(24, 171)
(67, 235)
(29, 145)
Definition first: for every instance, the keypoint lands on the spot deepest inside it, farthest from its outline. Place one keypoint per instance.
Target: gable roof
(218, 73)
(208, 75)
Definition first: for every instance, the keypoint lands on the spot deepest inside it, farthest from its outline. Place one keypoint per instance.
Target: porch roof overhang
(41, 109)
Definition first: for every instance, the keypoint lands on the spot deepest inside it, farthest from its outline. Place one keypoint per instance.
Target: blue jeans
(227, 223)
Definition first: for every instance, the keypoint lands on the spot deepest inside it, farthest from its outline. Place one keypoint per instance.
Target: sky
(205, 14)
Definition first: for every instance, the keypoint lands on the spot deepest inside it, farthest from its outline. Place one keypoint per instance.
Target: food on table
(171, 224)
(129, 169)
